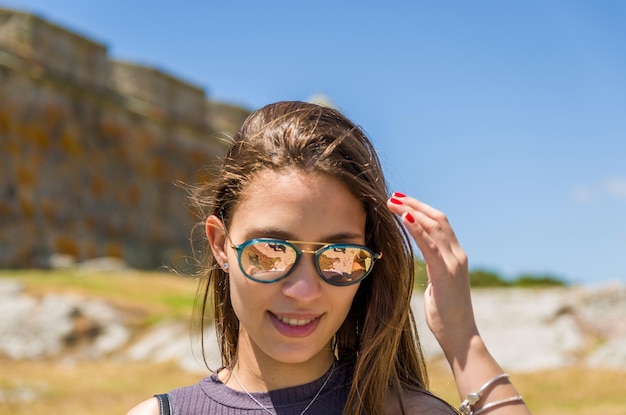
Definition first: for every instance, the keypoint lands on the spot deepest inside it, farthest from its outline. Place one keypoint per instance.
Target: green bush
(482, 278)
(538, 281)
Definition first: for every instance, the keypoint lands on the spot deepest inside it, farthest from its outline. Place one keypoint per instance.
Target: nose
(303, 284)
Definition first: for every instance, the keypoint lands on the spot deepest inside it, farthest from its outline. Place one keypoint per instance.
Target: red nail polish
(398, 194)
(409, 217)
(395, 201)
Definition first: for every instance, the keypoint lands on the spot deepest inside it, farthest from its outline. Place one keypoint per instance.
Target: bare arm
(448, 306)
(147, 407)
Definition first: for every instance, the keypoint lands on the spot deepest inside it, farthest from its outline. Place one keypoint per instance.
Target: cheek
(237, 286)
(238, 294)
(248, 298)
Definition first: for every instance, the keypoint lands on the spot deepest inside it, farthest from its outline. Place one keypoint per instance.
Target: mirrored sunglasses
(271, 260)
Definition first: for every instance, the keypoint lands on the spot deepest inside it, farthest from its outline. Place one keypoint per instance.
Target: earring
(225, 267)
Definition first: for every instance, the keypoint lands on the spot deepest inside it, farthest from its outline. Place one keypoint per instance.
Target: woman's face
(292, 320)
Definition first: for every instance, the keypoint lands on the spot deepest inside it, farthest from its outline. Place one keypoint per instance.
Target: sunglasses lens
(267, 260)
(344, 264)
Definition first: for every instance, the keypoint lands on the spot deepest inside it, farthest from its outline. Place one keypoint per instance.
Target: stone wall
(91, 150)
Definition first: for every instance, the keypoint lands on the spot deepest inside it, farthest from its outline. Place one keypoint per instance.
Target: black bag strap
(164, 404)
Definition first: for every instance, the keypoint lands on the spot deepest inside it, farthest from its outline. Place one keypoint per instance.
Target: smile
(295, 322)
(293, 325)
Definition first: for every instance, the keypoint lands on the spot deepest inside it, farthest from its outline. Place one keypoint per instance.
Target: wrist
(459, 347)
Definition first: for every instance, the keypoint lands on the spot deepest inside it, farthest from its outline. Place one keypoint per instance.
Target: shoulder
(179, 398)
(419, 401)
(147, 407)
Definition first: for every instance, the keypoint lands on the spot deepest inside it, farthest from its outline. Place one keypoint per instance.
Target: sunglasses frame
(318, 252)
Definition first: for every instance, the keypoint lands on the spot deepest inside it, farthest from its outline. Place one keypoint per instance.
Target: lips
(295, 326)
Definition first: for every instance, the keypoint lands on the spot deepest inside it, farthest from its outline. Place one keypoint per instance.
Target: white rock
(524, 329)
(172, 341)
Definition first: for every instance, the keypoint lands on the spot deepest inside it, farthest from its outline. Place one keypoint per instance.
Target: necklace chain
(266, 409)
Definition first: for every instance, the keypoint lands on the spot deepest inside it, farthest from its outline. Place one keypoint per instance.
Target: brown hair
(378, 337)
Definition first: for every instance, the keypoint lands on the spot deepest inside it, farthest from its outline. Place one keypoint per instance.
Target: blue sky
(510, 116)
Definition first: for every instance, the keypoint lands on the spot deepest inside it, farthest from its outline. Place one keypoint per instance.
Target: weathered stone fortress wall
(91, 150)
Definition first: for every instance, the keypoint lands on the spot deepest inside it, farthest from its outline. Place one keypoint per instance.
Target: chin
(298, 356)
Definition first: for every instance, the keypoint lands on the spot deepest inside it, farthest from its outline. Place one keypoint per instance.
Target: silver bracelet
(498, 403)
(467, 405)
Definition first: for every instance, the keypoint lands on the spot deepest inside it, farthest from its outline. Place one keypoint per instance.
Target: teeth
(295, 322)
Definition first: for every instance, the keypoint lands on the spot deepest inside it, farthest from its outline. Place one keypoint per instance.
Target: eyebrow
(276, 233)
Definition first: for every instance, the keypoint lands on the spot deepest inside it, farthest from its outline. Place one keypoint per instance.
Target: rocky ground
(526, 329)
(533, 329)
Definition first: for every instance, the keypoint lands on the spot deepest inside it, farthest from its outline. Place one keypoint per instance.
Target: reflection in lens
(344, 265)
(267, 260)
(277, 247)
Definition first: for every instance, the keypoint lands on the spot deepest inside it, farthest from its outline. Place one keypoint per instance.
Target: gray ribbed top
(211, 396)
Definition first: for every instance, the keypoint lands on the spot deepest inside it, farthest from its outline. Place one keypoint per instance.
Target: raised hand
(448, 306)
(447, 301)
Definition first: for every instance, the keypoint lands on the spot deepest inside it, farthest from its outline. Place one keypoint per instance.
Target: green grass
(157, 295)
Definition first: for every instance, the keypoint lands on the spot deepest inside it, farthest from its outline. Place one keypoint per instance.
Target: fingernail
(398, 194)
(409, 217)
(395, 201)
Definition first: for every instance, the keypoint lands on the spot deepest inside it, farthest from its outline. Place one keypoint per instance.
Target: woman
(310, 273)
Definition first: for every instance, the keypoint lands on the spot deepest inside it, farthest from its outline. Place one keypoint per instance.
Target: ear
(217, 239)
